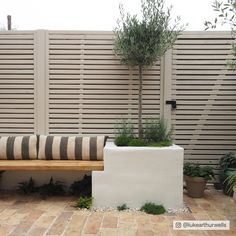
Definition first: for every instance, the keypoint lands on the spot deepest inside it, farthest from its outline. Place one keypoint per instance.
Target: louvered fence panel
(89, 90)
(16, 83)
(205, 90)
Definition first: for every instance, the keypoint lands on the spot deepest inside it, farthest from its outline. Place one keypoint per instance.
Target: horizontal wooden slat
(68, 165)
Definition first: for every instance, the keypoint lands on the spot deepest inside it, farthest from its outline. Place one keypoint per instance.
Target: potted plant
(196, 177)
(231, 184)
(228, 166)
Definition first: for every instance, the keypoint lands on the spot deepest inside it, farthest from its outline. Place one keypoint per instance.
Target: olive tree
(141, 41)
(226, 15)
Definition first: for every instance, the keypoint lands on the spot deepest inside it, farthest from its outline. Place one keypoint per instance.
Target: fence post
(41, 81)
(166, 86)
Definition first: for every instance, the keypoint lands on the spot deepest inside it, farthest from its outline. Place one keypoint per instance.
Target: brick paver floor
(27, 215)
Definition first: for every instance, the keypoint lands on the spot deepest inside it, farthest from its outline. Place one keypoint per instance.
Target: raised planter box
(135, 175)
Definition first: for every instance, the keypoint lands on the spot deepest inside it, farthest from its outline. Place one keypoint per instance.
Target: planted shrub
(124, 132)
(156, 133)
(84, 202)
(152, 208)
(52, 189)
(195, 170)
(137, 142)
(27, 187)
(166, 143)
(122, 207)
(82, 187)
(122, 141)
(228, 161)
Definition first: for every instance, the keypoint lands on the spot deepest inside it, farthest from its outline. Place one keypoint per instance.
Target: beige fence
(70, 82)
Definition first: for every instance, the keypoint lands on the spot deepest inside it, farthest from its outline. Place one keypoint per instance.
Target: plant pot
(223, 175)
(195, 186)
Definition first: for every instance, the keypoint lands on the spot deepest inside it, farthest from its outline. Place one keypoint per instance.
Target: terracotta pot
(195, 186)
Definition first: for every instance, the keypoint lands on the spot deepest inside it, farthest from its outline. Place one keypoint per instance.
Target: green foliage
(226, 15)
(124, 132)
(143, 41)
(228, 161)
(195, 170)
(122, 140)
(122, 207)
(82, 187)
(152, 208)
(84, 202)
(27, 187)
(137, 142)
(226, 10)
(52, 189)
(156, 131)
(231, 182)
(166, 143)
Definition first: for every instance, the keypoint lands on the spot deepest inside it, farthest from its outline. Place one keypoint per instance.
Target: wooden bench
(63, 165)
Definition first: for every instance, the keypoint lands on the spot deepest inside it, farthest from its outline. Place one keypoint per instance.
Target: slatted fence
(17, 83)
(205, 90)
(70, 82)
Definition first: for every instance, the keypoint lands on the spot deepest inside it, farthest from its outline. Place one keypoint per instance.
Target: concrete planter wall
(135, 175)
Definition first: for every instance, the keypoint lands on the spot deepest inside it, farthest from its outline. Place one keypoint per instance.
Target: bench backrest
(52, 147)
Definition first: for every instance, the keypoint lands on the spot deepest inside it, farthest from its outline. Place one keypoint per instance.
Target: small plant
(228, 161)
(122, 141)
(195, 170)
(82, 187)
(84, 202)
(52, 189)
(152, 208)
(156, 131)
(27, 187)
(137, 142)
(122, 207)
(124, 133)
(166, 143)
(231, 182)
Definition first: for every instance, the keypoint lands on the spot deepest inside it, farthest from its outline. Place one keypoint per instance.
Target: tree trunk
(140, 124)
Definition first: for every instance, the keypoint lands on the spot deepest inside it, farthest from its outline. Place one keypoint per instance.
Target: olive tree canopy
(141, 42)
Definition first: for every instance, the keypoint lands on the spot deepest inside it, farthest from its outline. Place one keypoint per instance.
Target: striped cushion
(18, 147)
(71, 148)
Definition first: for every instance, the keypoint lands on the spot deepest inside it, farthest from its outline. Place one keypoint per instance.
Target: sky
(92, 14)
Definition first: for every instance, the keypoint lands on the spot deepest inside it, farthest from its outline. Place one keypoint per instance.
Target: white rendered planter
(136, 175)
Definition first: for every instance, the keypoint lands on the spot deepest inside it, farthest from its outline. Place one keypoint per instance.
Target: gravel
(185, 209)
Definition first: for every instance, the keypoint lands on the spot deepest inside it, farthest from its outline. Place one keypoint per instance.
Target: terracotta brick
(37, 231)
(6, 229)
(93, 224)
(61, 222)
(22, 228)
(144, 232)
(75, 225)
(110, 222)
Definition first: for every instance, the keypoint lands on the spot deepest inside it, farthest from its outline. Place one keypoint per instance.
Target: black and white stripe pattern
(18, 147)
(71, 148)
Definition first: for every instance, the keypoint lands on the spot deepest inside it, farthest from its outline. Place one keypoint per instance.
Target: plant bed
(136, 175)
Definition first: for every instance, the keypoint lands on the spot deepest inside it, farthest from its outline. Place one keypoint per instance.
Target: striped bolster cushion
(18, 147)
(71, 148)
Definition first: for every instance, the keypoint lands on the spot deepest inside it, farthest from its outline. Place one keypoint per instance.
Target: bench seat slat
(67, 165)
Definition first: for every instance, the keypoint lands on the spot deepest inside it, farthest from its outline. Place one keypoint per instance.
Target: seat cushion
(71, 148)
(18, 147)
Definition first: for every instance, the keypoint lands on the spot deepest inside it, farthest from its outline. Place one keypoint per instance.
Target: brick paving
(27, 215)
